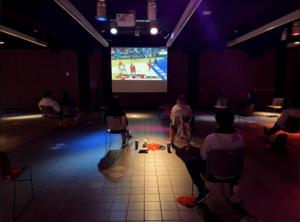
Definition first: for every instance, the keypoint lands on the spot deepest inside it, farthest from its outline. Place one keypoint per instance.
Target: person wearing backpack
(180, 109)
(225, 137)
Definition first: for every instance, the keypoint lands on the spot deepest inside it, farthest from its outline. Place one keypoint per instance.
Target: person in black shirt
(67, 101)
(251, 100)
(115, 109)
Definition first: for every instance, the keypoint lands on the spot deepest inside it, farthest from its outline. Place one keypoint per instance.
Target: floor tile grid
(74, 171)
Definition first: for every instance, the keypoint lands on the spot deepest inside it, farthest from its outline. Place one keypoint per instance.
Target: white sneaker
(236, 198)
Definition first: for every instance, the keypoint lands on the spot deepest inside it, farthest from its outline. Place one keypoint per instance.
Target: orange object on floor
(188, 201)
(153, 146)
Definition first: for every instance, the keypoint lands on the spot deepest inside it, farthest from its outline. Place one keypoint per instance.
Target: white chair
(221, 103)
(224, 164)
(115, 125)
(277, 104)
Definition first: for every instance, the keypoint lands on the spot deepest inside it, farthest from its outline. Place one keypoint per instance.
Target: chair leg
(14, 204)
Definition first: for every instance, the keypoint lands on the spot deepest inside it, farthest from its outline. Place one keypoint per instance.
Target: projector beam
(281, 21)
(20, 35)
(69, 8)
(190, 9)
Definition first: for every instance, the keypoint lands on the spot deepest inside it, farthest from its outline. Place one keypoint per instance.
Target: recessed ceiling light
(297, 43)
(206, 12)
(1, 43)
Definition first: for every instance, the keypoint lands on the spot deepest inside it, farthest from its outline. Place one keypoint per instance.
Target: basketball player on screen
(131, 69)
(155, 62)
(134, 69)
(149, 65)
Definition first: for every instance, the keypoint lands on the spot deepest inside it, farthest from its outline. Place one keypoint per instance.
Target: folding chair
(167, 112)
(115, 125)
(9, 174)
(246, 111)
(50, 113)
(224, 164)
(69, 112)
(277, 104)
(221, 103)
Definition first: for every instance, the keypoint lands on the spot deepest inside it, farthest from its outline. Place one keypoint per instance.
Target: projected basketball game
(139, 64)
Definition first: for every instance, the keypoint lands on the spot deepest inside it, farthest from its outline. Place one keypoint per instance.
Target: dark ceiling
(60, 30)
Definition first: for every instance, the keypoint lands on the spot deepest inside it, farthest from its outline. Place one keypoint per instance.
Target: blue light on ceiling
(101, 19)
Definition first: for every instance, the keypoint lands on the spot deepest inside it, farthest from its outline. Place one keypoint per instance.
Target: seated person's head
(115, 104)
(224, 118)
(48, 94)
(294, 102)
(181, 100)
(65, 94)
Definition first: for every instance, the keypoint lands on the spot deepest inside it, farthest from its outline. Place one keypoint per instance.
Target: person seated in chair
(48, 101)
(280, 124)
(180, 109)
(251, 100)
(68, 101)
(115, 109)
(225, 137)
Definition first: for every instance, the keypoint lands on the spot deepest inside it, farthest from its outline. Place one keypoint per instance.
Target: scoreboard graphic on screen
(148, 64)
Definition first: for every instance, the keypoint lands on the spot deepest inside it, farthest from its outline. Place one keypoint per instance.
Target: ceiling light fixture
(72, 11)
(153, 28)
(284, 35)
(206, 12)
(296, 28)
(20, 35)
(296, 43)
(1, 43)
(101, 11)
(114, 28)
(163, 33)
(151, 10)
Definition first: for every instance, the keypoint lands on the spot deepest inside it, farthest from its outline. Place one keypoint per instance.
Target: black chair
(9, 174)
(224, 164)
(69, 112)
(246, 111)
(50, 113)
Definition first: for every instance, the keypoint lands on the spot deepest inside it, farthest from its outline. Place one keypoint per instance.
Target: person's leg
(235, 192)
(194, 165)
(272, 130)
(172, 132)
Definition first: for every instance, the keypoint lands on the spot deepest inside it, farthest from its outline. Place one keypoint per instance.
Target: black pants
(274, 129)
(196, 164)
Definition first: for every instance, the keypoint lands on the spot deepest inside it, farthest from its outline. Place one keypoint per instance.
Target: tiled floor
(79, 182)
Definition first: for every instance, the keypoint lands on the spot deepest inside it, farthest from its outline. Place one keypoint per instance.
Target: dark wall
(233, 75)
(95, 66)
(26, 74)
(292, 75)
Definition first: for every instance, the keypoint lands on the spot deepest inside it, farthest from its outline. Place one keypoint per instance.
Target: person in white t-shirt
(294, 111)
(180, 109)
(224, 138)
(48, 101)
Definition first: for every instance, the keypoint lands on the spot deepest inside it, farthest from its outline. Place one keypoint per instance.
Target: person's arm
(172, 116)
(205, 149)
(56, 107)
(40, 106)
(282, 119)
